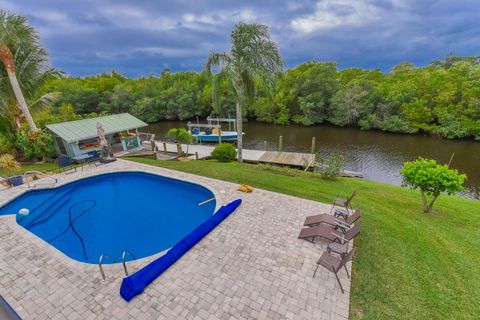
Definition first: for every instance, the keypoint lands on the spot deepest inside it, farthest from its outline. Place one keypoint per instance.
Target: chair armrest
(339, 238)
(343, 213)
(343, 224)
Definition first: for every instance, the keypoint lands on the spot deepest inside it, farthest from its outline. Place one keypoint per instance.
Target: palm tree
(253, 55)
(26, 70)
(180, 135)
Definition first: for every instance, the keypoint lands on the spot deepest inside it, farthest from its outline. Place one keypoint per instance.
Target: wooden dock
(293, 159)
(256, 156)
(288, 158)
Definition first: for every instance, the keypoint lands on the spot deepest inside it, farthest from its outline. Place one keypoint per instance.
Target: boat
(215, 137)
(211, 132)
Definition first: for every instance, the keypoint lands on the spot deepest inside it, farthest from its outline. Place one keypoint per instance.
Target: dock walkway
(294, 159)
(285, 158)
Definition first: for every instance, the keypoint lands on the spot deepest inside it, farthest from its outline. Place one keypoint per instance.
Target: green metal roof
(78, 130)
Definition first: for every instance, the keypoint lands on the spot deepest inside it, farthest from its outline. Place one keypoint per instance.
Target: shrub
(432, 179)
(329, 167)
(34, 145)
(8, 163)
(224, 152)
(6, 145)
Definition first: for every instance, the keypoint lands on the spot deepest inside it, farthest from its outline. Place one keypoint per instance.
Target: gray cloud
(140, 37)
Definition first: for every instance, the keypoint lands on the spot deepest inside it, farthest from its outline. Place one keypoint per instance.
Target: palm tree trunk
(21, 101)
(7, 59)
(239, 132)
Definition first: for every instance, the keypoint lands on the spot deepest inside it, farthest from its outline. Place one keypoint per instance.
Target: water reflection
(378, 155)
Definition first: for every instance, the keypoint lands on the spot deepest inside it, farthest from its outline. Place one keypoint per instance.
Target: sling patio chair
(331, 219)
(66, 165)
(344, 203)
(334, 264)
(339, 247)
(95, 158)
(330, 233)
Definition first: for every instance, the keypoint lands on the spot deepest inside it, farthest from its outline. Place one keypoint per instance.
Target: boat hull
(226, 136)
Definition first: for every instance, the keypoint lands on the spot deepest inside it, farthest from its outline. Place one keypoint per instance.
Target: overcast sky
(140, 37)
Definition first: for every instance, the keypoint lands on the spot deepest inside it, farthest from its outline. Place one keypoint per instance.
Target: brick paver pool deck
(252, 266)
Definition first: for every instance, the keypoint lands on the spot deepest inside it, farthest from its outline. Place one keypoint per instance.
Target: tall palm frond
(47, 100)
(253, 55)
(26, 69)
(217, 84)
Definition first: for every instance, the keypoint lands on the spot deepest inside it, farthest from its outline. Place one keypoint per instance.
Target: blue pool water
(135, 211)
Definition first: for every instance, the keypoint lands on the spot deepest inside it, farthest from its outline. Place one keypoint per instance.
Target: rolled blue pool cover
(134, 284)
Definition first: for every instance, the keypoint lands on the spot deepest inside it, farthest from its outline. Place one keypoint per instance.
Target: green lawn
(44, 167)
(409, 265)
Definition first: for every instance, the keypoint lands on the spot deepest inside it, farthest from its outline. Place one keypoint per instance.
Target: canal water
(378, 155)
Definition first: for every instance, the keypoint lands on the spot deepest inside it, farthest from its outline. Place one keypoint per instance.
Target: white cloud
(126, 16)
(334, 13)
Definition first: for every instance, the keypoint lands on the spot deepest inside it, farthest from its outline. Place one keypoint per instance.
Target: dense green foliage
(181, 95)
(431, 179)
(442, 99)
(36, 145)
(224, 152)
(407, 266)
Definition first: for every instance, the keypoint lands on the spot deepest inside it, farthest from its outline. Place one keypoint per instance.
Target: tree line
(442, 99)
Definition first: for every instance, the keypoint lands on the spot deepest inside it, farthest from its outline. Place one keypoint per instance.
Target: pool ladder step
(106, 256)
(124, 255)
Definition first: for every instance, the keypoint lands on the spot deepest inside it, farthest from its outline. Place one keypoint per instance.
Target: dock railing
(147, 137)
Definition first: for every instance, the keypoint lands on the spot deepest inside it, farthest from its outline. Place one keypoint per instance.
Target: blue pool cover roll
(134, 284)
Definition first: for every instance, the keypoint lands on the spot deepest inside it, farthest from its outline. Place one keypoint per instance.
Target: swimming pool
(110, 213)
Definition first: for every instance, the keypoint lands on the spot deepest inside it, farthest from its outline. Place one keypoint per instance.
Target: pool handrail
(26, 173)
(124, 255)
(100, 260)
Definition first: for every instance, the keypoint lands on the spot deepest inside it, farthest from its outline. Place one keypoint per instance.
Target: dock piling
(280, 143)
(312, 150)
(164, 147)
(265, 145)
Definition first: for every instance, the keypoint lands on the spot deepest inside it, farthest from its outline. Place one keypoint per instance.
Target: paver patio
(252, 266)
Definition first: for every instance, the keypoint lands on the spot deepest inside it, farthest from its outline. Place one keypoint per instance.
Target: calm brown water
(379, 156)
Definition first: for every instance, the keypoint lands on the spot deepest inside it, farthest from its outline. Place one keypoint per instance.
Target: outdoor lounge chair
(343, 203)
(331, 219)
(334, 264)
(337, 233)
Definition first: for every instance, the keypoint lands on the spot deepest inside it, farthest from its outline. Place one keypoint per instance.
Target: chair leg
(348, 275)
(310, 239)
(315, 271)
(341, 288)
